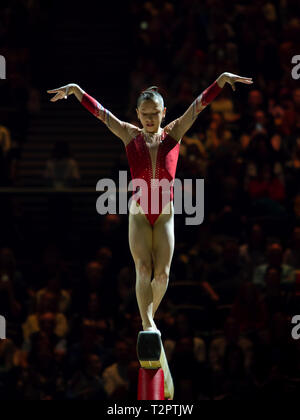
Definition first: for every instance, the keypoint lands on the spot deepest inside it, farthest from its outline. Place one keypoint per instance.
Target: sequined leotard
(140, 163)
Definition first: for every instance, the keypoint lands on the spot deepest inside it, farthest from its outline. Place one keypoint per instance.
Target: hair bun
(150, 89)
(152, 94)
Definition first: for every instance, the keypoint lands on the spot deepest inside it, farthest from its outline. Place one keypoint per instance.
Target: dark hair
(271, 267)
(150, 94)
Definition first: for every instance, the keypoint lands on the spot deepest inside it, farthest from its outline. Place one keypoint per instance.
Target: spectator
(292, 254)
(47, 328)
(254, 251)
(225, 106)
(238, 384)
(115, 377)
(185, 367)
(229, 274)
(13, 294)
(47, 304)
(244, 148)
(294, 168)
(266, 185)
(125, 291)
(216, 134)
(296, 103)
(259, 155)
(231, 337)
(275, 259)
(8, 362)
(93, 282)
(86, 384)
(61, 170)
(249, 309)
(105, 257)
(42, 376)
(54, 286)
(182, 329)
(94, 316)
(275, 298)
(87, 340)
(7, 351)
(279, 154)
(195, 155)
(255, 102)
(260, 123)
(49, 261)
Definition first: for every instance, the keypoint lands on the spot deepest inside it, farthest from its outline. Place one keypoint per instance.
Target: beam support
(152, 356)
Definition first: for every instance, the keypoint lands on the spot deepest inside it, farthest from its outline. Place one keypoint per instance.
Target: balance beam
(152, 357)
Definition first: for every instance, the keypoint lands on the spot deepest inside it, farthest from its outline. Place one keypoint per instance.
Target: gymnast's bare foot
(153, 329)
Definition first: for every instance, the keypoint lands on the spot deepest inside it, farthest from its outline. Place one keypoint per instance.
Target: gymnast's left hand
(234, 78)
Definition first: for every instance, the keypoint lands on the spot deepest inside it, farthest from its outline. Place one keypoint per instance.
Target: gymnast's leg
(163, 248)
(140, 243)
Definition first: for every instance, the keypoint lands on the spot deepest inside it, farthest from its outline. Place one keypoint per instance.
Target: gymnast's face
(151, 113)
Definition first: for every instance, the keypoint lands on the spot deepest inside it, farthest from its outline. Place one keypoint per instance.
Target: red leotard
(139, 157)
(140, 163)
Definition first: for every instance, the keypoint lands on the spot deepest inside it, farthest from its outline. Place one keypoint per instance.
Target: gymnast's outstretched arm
(184, 123)
(120, 128)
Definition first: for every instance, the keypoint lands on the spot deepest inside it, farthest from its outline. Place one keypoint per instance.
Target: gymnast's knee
(162, 277)
(143, 268)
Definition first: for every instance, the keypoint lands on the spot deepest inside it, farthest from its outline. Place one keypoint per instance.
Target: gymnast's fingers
(247, 80)
(53, 91)
(57, 97)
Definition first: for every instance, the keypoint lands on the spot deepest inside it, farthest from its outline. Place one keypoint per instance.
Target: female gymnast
(152, 155)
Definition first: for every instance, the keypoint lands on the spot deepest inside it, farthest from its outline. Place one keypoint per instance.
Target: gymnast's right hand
(62, 92)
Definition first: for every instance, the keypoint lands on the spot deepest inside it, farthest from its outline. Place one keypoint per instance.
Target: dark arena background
(67, 278)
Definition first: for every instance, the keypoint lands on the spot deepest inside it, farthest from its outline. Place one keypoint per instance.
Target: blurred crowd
(23, 24)
(235, 280)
